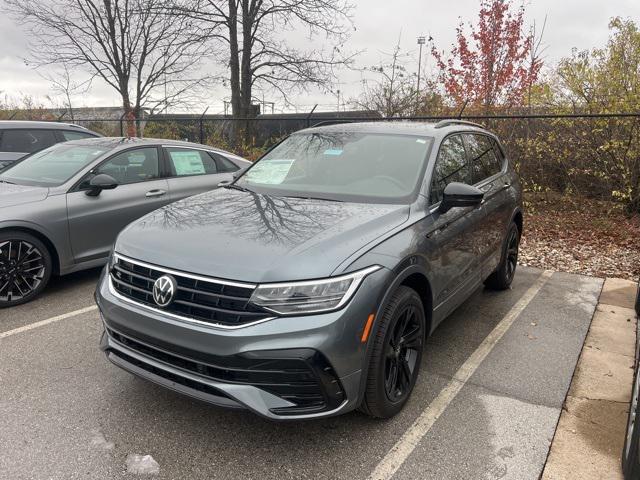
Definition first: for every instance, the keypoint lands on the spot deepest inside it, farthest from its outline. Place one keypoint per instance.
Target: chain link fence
(595, 155)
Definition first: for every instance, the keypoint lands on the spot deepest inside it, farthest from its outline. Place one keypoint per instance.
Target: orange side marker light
(367, 328)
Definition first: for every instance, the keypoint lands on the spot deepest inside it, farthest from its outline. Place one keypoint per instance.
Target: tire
(630, 460)
(25, 268)
(397, 347)
(503, 276)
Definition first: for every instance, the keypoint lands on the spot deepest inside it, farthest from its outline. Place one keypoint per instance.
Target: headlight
(310, 296)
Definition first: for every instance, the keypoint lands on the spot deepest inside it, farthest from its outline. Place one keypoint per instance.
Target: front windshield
(345, 166)
(52, 166)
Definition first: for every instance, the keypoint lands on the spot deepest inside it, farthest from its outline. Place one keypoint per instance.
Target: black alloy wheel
(503, 276)
(396, 353)
(513, 241)
(25, 268)
(402, 350)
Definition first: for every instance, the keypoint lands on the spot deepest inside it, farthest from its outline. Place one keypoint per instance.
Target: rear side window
(75, 135)
(451, 166)
(187, 161)
(224, 164)
(483, 157)
(26, 141)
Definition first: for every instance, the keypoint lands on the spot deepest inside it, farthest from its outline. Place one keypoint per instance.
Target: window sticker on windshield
(187, 163)
(333, 151)
(270, 171)
(421, 140)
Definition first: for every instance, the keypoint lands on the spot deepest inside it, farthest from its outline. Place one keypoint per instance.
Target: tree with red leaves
(496, 64)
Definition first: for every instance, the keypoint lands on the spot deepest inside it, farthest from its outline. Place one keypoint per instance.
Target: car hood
(252, 237)
(12, 195)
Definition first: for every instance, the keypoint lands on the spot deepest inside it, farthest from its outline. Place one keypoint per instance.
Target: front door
(487, 174)
(95, 221)
(451, 243)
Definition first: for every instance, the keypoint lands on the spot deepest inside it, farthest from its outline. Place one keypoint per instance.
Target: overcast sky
(570, 23)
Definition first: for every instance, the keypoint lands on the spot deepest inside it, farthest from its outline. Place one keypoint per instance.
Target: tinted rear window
(26, 141)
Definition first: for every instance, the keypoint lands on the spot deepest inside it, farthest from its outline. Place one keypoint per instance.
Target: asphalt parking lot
(493, 381)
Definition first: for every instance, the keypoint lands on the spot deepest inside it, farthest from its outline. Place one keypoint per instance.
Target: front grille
(209, 301)
(304, 378)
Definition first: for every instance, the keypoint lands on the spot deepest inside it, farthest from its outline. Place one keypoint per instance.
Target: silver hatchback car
(62, 208)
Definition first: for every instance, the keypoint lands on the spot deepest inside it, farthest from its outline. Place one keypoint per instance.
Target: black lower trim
(301, 376)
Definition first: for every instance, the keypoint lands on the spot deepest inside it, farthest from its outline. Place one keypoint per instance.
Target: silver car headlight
(310, 296)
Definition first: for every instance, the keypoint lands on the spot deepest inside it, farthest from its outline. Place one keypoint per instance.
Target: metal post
(421, 42)
(311, 113)
(202, 125)
(121, 126)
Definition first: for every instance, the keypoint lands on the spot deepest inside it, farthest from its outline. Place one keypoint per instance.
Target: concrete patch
(142, 465)
(602, 375)
(620, 292)
(588, 442)
(613, 330)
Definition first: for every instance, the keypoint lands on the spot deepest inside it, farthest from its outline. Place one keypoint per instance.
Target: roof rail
(325, 123)
(453, 121)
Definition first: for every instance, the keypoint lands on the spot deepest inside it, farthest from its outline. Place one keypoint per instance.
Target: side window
(68, 135)
(483, 158)
(26, 141)
(451, 166)
(132, 166)
(224, 164)
(187, 161)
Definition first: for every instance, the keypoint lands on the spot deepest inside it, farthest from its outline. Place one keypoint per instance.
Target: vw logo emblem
(164, 289)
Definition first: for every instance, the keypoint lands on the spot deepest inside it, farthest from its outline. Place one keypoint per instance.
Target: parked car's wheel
(25, 268)
(396, 356)
(630, 459)
(503, 276)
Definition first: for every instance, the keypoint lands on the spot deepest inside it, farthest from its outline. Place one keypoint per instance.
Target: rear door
(487, 170)
(450, 237)
(94, 222)
(193, 171)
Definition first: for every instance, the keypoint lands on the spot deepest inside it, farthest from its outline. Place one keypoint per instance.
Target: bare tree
(134, 46)
(392, 92)
(259, 55)
(63, 83)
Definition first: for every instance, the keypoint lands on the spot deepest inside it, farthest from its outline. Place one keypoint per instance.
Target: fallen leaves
(580, 235)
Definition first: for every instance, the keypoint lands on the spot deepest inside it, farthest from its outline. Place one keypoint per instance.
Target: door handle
(155, 193)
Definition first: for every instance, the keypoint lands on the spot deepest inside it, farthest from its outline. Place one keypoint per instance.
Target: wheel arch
(408, 273)
(518, 219)
(53, 251)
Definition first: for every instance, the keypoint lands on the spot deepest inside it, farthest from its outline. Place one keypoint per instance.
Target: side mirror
(101, 182)
(460, 195)
(234, 176)
(237, 173)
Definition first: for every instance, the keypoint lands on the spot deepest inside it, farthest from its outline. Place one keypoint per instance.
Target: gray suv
(21, 137)
(307, 287)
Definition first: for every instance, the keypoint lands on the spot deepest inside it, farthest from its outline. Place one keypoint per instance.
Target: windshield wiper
(307, 197)
(238, 187)
(7, 181)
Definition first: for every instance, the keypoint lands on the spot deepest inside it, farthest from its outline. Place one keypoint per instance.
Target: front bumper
(284, 369)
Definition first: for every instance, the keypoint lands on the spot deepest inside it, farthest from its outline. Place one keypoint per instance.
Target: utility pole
(421, 42)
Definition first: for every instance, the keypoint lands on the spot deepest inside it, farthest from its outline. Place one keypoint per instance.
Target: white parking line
(399, 453)
(42, 323)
